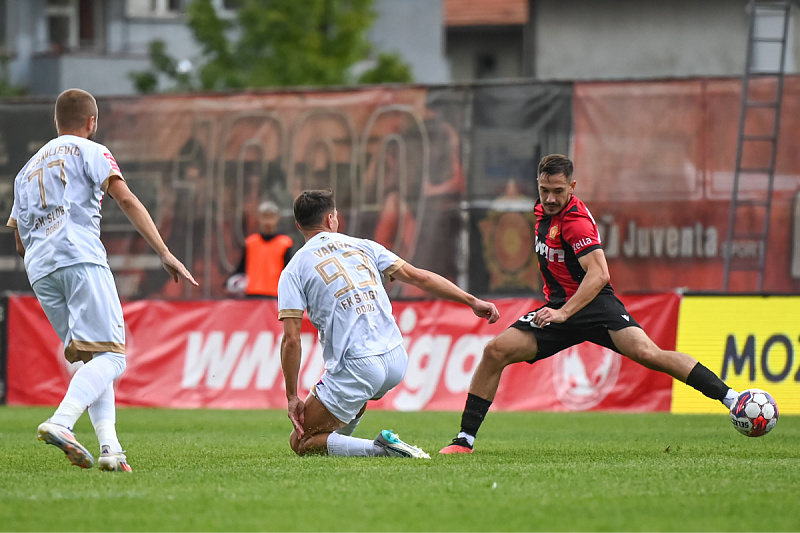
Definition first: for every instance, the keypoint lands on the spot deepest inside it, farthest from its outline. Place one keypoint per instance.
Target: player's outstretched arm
(291, 354)
(434, 284)
(143, 222)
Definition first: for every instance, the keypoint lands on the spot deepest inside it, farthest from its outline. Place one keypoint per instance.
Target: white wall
(589, 39)
(415, 30)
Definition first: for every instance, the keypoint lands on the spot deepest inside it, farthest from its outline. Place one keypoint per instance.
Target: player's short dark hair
(310, 207)
(555, 164)
(73, 109)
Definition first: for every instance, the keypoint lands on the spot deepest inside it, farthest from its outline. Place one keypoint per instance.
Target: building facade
(51, 45)
(612, 39)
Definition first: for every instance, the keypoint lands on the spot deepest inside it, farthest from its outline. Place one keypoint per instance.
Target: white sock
(470, 438)
(68, 412)
(344, 446)
(730, 398)
(104, 418)
(349, 428)
(87, 385)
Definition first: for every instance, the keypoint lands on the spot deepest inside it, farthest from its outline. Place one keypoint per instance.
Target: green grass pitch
(204, 470)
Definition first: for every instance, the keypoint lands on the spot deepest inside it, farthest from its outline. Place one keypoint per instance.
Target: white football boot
(113, 461)
(63, 438)
(390, 442)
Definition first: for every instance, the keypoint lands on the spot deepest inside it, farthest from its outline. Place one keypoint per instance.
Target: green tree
(147, 81)
(389, 69)
(280, 43)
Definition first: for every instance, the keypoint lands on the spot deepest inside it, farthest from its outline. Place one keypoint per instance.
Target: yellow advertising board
(748, 341)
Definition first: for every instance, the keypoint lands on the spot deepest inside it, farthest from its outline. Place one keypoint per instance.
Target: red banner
(655, 164)
(226, 354)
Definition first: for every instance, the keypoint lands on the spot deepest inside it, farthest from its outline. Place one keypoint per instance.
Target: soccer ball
(237, 284)
(754, 413)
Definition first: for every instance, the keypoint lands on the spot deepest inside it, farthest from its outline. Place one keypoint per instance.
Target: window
(154, 8)
(4, 44)
(74, 25)
(485, 66)
(62, 25)
(227, 8)
(86, 24)
(175, 8)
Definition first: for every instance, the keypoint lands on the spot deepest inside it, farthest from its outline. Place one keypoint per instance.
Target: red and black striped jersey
(560, 241)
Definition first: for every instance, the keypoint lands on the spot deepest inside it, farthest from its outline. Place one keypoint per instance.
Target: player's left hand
(486, 310)
(297, 414)
(548, 315)
(176, 269)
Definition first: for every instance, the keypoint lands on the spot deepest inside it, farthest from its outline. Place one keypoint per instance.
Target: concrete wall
(100, 75)
(415, 30)
(464, 46)
(22, 34)
(587, 39)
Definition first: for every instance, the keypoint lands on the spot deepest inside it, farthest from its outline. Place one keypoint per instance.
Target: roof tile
(485, 12)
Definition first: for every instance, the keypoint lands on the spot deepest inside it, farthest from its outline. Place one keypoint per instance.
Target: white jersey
(56, 207)
(337, 279)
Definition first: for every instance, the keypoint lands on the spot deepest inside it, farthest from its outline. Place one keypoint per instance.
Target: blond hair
(73, 109)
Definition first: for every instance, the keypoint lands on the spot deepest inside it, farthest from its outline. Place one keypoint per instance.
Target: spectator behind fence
(265, 255)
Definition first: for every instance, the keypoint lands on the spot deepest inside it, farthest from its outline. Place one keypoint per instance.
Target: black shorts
(591, 324)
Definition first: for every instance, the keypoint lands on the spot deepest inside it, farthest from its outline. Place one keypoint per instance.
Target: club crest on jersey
(111, 160)
(553, 232)
(553, 255)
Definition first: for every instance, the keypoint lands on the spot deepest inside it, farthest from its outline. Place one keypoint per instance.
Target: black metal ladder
(756, 150)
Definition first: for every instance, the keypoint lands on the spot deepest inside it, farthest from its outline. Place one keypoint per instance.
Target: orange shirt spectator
(265, 255)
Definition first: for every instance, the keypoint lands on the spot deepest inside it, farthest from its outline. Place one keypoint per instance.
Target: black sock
(474, 412)
(707, 382)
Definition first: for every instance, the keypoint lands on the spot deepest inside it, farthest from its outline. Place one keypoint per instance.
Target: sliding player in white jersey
(337, 280)
(56, 218)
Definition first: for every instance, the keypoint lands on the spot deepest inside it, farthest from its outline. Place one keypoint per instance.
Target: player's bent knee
(494, 354)
(296, 443)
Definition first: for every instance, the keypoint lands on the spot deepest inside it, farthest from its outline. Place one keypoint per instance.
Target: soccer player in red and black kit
(581, 306)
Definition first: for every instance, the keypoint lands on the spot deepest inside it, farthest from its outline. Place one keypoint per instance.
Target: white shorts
(345, 392)
(82, 305)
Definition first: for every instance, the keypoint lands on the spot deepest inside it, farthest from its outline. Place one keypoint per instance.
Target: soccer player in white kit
(56, 221)
(337, 280)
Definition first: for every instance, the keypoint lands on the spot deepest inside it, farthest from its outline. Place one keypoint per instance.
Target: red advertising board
(226, 354)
